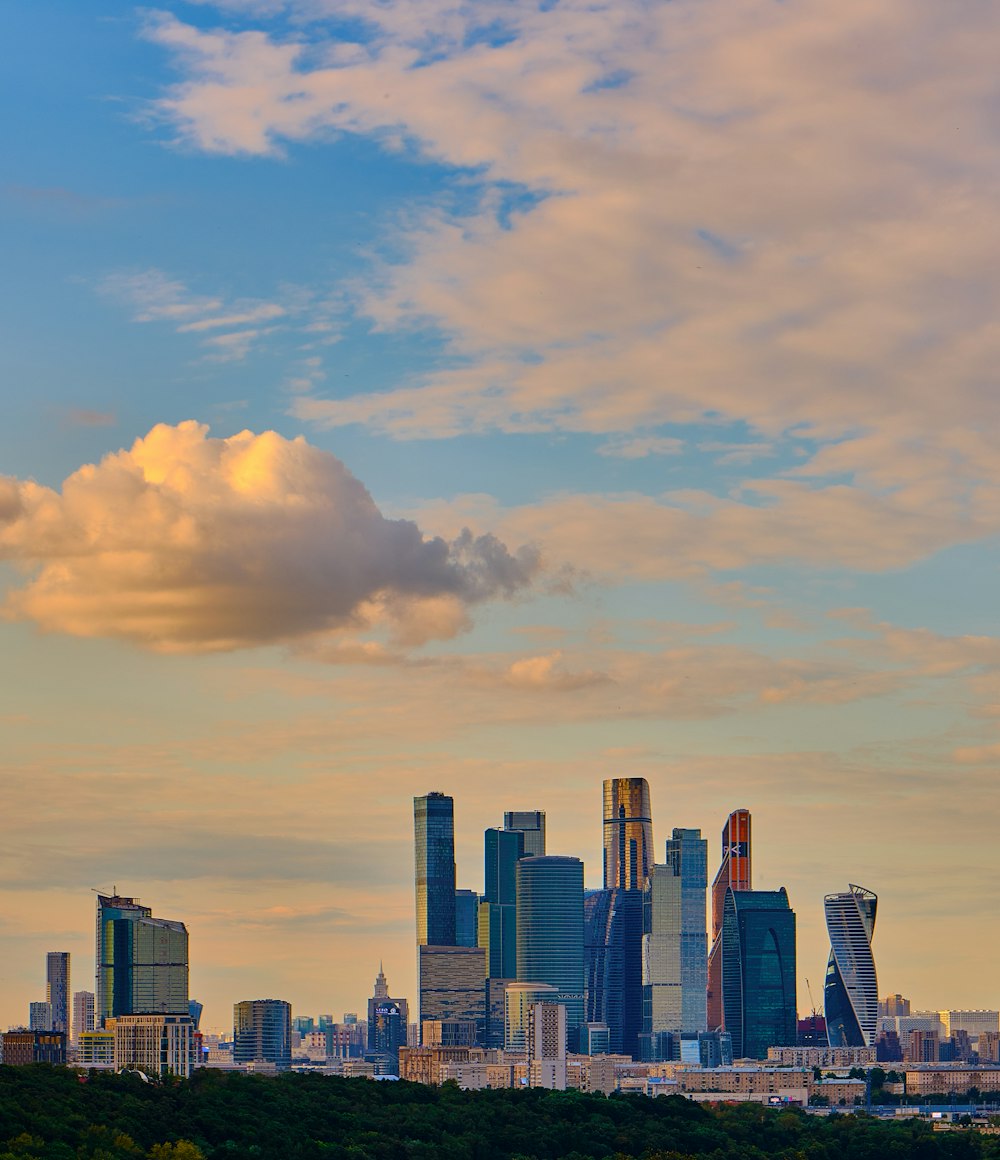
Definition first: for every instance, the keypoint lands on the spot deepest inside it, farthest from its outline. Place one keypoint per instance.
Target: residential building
(83, 1012)
(531, 823)
(57, 989)
(452, 984)
(550, 930)
(988, 1047)
(158, 1045)
(434, 857)
(851, 990)
(40, 1017)
(733, 874)
(95, 1048)
(142, 961)
(826, 1057)
(758, 971)
(547, 1046)
(262, 1033)
(894, 1005)
(41, 1046)
(519, 999)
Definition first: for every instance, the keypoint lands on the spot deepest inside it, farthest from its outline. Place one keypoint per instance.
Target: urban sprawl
(656, 983)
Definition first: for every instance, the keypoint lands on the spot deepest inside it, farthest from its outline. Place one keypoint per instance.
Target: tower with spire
(387, 1023)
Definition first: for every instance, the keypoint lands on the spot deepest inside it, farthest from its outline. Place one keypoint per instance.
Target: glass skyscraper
(142, 961)
(531, 823)
(452, 984)
(675, 940)
(498, 910)
(466, 918)
(262, 1032)
(734, 872)
(57, 989)
(758, 971)
(550, 930)
(851, 991)
(434, 847)
(628, 833)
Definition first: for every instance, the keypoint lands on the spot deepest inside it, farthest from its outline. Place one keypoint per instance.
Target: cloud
(85, 417)
(186, 542)
(640, 446)
(774, 216)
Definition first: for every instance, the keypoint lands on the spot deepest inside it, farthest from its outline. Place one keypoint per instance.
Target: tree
(180, 1150)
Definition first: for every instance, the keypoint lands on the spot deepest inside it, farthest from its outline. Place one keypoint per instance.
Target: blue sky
(686, 311)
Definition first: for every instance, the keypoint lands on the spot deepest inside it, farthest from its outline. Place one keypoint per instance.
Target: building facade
(453, 984)
(758, 971)
(734, 873)
(675, 941)
(434, 865)
(262, 1033)
(142, 961)
(550, 930)
(159, 1045)
(628, 833)
(498, 910)
(57, 989)
(851, 990)
(531, 823)
(83, 1012)
(466, 918)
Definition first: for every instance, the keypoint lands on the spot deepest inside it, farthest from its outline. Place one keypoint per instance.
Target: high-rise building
(758, 971)
(194, 1010)
(851, 991)
(675, 939)
(142, 961)
(159, 1045)
(628, 833)
(434, 848)
(466, 918)
(531, 823)
(40, 1016)
(733, 874)
(498, 909)
(547, 1046)
(262, 1033)
(83, 1012)
(894, 1005)
(57, 989)
(452, 984)
(550, 930)
(974, 1023)
(519, 998)
(387, 1021)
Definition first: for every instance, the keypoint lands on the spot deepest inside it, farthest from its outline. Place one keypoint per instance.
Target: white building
(156, 1044)
(547, 1045)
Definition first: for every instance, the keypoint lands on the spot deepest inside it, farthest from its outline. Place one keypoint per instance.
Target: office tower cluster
(630, 968)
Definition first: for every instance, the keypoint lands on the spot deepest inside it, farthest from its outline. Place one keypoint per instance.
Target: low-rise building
(826, 1057)
(22, 1047)
(944, 1080)
(96, 1049)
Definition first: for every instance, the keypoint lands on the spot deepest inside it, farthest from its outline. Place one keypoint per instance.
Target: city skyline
(495, 399)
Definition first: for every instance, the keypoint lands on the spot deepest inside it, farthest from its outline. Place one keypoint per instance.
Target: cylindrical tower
(628, 833)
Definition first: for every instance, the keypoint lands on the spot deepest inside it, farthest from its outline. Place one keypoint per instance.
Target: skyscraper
(851, 991)
(57, 990)
(628, 833)
(675, 940)
(498, 910)
(531, 823)
(142, 961)
(83, 1012)
(466, 918)
(262, 1032)
(734, 873)
(758, 971)
(387, 1021)
(434, 855)
(452, 984)
(550, 930)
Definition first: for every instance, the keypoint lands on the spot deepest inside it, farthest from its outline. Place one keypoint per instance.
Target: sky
(492, 398)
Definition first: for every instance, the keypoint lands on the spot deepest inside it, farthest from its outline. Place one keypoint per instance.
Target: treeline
(49, 1113)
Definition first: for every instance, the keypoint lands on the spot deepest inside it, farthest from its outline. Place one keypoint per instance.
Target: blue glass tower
(498, 910)
(758, 971)
(550, 930)
(434, 856)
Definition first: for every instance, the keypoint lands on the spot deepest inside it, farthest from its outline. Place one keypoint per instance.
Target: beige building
(973, 1023)
(95, 1049)
(947, 1080)
(158, 1045)
(826, 1057)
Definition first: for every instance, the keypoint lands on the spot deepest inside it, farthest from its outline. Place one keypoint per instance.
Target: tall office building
(40, 1016)
(57, 990)
(262, 1032)
(733, 874)
(466, 918)
(434, 850)
(851, 991)
(628, 833)
(550, 930)
(142, 961)
(452, 984)
(498, 909)
(83, 1012)
(530, 823)
(758, 971)
(675, 942)
(382, 998)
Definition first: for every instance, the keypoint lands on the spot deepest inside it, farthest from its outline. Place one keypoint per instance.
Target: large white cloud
(190, 542)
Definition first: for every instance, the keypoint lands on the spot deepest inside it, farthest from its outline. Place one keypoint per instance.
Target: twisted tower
(851, 992)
